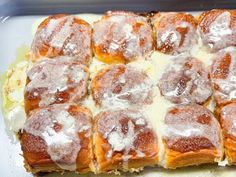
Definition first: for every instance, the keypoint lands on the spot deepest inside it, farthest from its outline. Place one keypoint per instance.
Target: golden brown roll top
(52, 81)
(228, 123)
(124, 140)
(192, 136)
(121, 37)
(174, 32)
(218, 28)
(121, 85)
(58, 137)
(186, 80)
(63, 35)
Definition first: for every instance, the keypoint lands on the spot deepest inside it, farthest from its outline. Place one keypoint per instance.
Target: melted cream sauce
(13, 95)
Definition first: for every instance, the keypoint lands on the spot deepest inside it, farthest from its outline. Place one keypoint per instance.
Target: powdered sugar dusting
(63, 143)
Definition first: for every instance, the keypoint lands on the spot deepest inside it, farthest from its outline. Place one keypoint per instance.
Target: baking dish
(12, 43)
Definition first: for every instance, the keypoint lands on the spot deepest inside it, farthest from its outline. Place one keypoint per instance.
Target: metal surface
(45, 7)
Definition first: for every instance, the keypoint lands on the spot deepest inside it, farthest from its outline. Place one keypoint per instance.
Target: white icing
(110, 126)
(115, 31)
(154, 67)
(60, 37)
(13, 96)
(56, 75)
(65, 35)
(227, 86)
(220, 27)
(183, 84)
(223, 163)
(155, 116)
(228, 115)
(220, 33)
(119, 141)
(63, 145)
(201, 53)
(134, 86)
(95, 66)
(168, 35)
(140, 122)
(16, 117)
(155, 112)
(185, 123)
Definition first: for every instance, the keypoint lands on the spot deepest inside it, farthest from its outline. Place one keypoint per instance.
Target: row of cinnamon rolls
(121, 37)
(61, 133)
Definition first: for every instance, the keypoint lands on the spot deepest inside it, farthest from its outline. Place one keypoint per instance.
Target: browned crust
(175, 159)
(230, 149)
(36, 162)
(105, 57)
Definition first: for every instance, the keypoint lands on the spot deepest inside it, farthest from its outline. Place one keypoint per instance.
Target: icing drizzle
(191, 122)
(217, 29)
(186, 80)
(125, 130)
(223, 75)
(59, 129)
(228, 116)
(175, 32)
(123, 33)
(122, 85)
(49, 79)
(65, 35)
